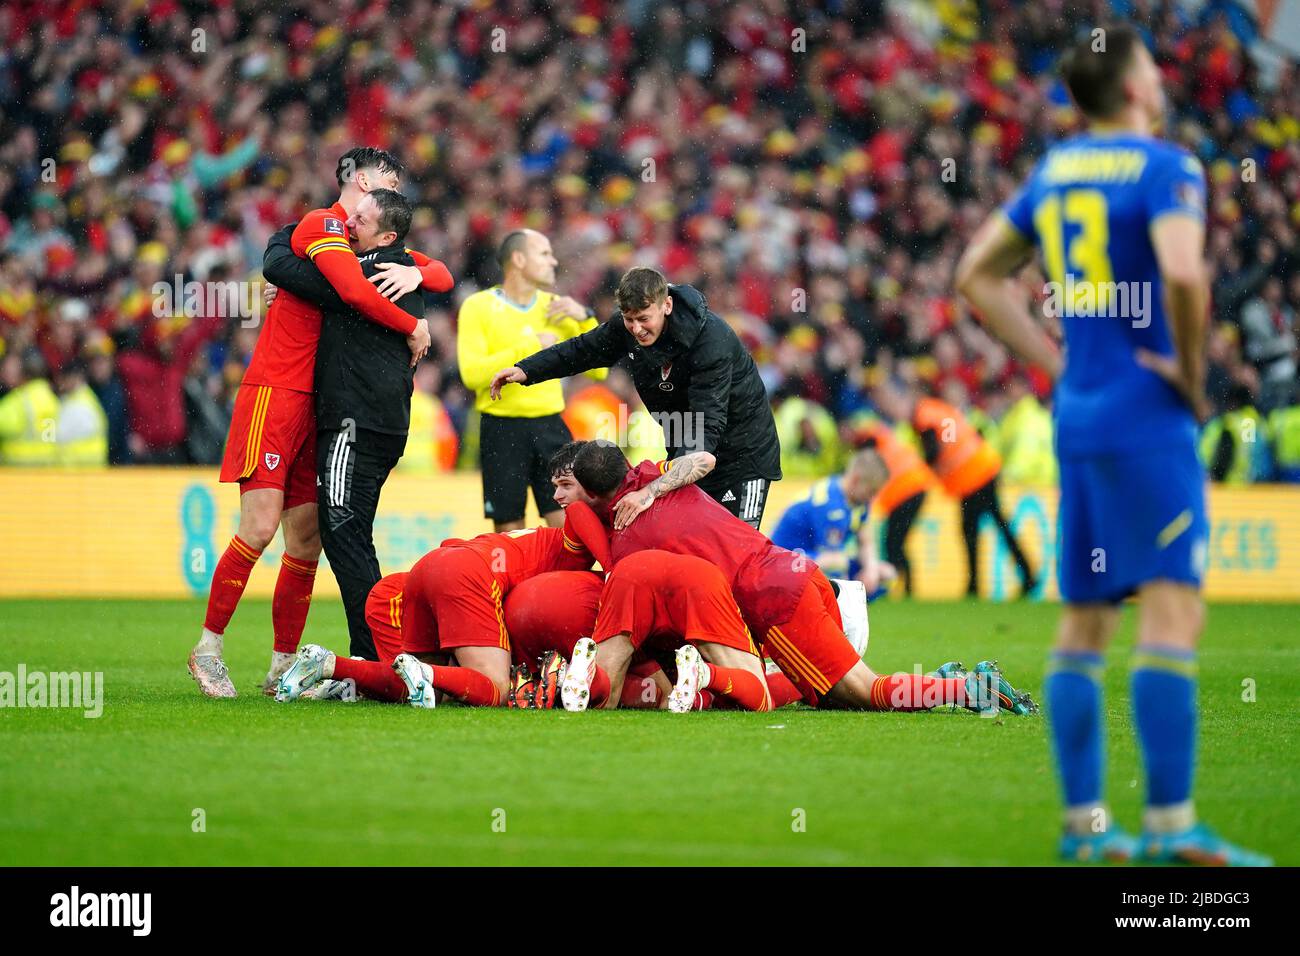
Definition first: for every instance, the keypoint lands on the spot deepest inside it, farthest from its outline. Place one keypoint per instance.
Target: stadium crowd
(815, 169)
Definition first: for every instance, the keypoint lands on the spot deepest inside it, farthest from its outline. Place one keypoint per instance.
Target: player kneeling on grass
(645, 684)
(546, 617)
(652, 593)
(782, 595)
(451, 609)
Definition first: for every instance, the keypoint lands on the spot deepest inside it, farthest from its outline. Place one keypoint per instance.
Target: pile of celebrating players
(688, 605)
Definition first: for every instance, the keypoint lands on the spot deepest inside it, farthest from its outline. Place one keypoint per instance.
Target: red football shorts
(549, 612)
(384, 615)
(811, 648)
(654, 593)
(272, 443)
(452, 600)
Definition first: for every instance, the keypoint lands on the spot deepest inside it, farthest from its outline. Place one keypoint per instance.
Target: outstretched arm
(683, 471)
(599, 348)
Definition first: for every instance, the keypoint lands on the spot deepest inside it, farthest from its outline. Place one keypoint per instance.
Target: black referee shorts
(514, 454)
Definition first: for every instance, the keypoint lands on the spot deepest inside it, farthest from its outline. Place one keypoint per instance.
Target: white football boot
(853, 612)
(307, 669)
(692, 677)
(418, 678)
(330, 689)
(575, 687)
(210, 673)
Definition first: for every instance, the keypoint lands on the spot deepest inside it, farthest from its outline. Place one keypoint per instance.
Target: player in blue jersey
(830, 525)
(1118, 216)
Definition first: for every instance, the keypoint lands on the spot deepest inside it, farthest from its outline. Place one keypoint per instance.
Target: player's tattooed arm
(683, 471)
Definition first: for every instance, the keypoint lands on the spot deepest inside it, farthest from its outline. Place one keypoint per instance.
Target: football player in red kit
(546, 616)
(653, 594)
(271, 448)
(783, 596)
(451, 608)
(549, 615)
(645, 684)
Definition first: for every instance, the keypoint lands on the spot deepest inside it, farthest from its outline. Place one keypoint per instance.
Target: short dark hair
(600, 467)
(394, 211)
(366, 157)
(640, 288)
(561, 462)
(1095, 77)
(512, 243)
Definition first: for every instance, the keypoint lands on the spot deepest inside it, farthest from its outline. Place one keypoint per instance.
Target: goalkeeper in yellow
(497, 328)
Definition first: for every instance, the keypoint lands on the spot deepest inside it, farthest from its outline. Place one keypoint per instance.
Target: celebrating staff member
(519, 434)
(364, 378)
(692, 373)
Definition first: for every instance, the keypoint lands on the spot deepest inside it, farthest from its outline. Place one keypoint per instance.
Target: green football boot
(987, 691)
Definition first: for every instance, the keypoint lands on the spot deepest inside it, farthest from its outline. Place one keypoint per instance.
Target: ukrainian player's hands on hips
(268, 293)
(394, 280)
(418, 341)
(1167, 367)
(630, 506)
(507, 376)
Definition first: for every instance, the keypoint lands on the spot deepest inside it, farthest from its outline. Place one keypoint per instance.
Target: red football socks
(782, 690)
(291, 602)
(740, 685)
(228, 583)
(916, 692)
(470, 686)
(373, 679)
(378, 681)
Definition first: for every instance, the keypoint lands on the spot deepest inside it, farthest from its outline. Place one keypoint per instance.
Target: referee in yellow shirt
(497, 328)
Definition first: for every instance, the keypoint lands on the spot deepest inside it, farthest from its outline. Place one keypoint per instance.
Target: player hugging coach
(694, 376)
(364, 375)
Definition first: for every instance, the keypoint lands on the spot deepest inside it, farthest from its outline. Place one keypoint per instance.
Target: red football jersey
(285, 354)
(515, 556)
(766, 581)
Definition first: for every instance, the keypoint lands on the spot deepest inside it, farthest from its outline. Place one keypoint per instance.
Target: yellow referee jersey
(494, 333)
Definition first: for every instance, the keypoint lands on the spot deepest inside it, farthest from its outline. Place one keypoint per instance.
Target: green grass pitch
(369, 783)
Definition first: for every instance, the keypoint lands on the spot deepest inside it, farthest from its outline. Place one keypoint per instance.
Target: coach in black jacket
(364, 380)
(695, 377)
